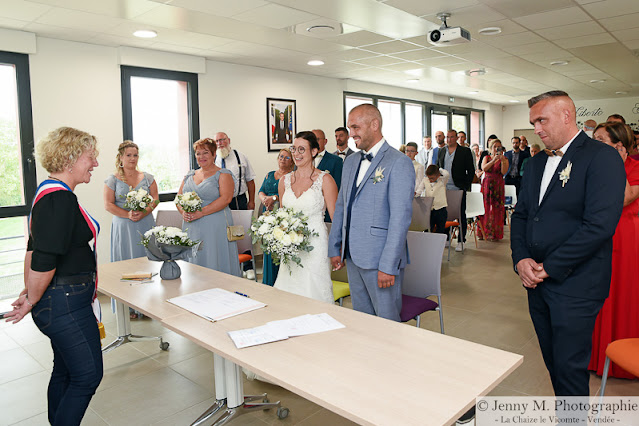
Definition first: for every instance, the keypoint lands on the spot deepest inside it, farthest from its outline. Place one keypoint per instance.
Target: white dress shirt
(318, 158)
(231, 164)
(365, 163)
(551, 166)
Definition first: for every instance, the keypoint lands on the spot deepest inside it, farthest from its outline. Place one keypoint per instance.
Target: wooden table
(373, 372)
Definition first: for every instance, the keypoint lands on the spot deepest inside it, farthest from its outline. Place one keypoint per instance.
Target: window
(460, 123)
(476, 134)
(353, 101)
(17, 168)
(392, 126)
(160, 114)
(414, 123)
(439, 122)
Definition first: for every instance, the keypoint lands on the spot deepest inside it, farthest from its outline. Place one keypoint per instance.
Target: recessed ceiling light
(315, 63)
(476, 72)
(490, 31)
(412, 80)
(321, 29)
(597, 81)
(621, 93)
(559, 63)
(145, 34)
(514, 101)
(473, 92)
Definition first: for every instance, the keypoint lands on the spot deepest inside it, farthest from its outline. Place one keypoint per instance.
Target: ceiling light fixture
(559, 63)
(473, 92)
(490, 31)
(321, 29)
(315, 63)
(412, 80)
(145, 34)
(621, 93)
(476, 72)
(514, 101)
(597, 81)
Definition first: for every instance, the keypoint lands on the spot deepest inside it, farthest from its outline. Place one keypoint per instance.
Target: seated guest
(128, 225)
(534, 150)
(494, 166)
(59, 275)
(619, 317)
(215, 187)
(269, 196)
(411, 152)
(434, 185)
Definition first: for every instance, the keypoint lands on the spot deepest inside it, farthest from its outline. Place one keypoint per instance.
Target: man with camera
(515, 158)
(458, 162)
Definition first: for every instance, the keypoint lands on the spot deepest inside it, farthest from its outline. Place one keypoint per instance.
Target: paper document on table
(283, 329)
(256, 336)
(307, 324)
(216, 304)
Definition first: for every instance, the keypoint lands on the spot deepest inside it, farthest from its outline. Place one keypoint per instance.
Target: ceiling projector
(448, 36)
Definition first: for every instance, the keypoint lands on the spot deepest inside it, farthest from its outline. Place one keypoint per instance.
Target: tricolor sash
(49, 186)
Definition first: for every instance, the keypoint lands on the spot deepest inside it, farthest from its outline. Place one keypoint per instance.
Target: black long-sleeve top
(60, 236)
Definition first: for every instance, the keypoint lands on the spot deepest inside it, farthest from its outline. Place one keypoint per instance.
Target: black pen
(242, 294)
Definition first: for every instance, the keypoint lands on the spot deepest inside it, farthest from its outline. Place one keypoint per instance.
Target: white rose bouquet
(189, 201)
(168, 244)
(283, 233)
(137, 200)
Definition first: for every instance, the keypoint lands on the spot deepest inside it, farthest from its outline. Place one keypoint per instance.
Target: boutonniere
(564, 175)
(379, 175)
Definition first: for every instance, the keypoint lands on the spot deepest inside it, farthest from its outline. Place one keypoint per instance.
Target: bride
(310, 191)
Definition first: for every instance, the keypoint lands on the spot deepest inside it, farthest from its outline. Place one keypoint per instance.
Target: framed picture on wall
(281, 123)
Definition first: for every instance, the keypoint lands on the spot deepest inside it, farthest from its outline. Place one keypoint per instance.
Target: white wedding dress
(313, 279)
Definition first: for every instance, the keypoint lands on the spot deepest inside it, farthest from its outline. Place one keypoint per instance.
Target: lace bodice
(310, 202)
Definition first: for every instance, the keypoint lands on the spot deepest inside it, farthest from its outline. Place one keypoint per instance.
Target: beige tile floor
(483, 302)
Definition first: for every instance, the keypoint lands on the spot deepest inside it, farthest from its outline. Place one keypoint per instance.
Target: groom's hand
(336, 263)
(384, 280)
(529, 271)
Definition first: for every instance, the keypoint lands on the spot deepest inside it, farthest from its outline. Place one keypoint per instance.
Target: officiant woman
(60, 266)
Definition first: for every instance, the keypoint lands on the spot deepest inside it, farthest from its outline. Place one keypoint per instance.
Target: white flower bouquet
(137, 200)
(189, 201)
(283, 233)
(168, 244)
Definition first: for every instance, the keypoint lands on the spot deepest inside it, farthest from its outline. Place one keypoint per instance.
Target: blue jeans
(64, 314)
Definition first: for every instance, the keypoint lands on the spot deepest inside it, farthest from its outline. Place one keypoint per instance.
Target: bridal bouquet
(168, 244)
(137, 200)
(283, 233)
(189, 201)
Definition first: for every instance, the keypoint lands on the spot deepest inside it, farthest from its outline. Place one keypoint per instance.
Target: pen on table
(242, 294)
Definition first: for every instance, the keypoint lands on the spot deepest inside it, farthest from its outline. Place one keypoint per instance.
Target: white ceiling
(381, 42)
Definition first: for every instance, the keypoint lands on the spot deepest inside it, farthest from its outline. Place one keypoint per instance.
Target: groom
(372, 215)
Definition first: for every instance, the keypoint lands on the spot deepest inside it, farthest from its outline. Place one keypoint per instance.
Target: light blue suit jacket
(381, 212)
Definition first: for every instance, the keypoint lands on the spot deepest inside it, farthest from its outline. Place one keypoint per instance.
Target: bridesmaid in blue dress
(127, 225)
(215, 187)
(269, 195)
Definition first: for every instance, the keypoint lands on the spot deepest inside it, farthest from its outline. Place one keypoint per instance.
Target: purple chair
(422, 276)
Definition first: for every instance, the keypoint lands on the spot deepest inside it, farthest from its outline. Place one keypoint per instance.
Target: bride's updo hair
(311, 139)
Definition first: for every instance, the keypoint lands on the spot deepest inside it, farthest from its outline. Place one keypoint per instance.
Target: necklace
(54, 178)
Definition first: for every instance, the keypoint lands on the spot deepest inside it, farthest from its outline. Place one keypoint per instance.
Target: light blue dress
(125, 234)
(216, 251)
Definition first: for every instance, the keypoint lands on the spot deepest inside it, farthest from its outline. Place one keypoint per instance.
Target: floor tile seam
(30, 417)
(24, 377)
(120, 381)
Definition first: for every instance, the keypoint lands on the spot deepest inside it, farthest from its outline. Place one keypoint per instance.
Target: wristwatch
(274, 197)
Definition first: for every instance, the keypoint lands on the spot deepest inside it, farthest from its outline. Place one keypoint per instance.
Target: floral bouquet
(283, 233)
(189, 201)
(168, 244)
(137, 200)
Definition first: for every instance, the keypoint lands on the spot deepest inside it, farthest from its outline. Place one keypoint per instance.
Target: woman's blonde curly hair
(62, 147)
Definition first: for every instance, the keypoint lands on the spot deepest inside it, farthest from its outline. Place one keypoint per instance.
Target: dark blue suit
(333, 165)
(570, 232)
(516, 180)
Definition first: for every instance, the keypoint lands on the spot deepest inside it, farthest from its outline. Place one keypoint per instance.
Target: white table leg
(124, 330)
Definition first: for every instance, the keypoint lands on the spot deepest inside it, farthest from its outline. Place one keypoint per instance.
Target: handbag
(233, 232)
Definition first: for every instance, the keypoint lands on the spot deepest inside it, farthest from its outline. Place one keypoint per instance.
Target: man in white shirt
(425, 155)
(243, 174)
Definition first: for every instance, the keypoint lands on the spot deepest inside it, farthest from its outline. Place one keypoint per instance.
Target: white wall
(78, 85)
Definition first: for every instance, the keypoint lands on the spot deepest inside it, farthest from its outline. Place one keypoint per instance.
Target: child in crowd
(434, 185)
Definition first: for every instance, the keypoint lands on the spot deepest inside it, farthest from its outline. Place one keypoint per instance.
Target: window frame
(428, 109)
(25, 124)
(191, 79)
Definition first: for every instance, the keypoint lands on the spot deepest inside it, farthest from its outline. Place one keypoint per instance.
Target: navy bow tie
(368, 156)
